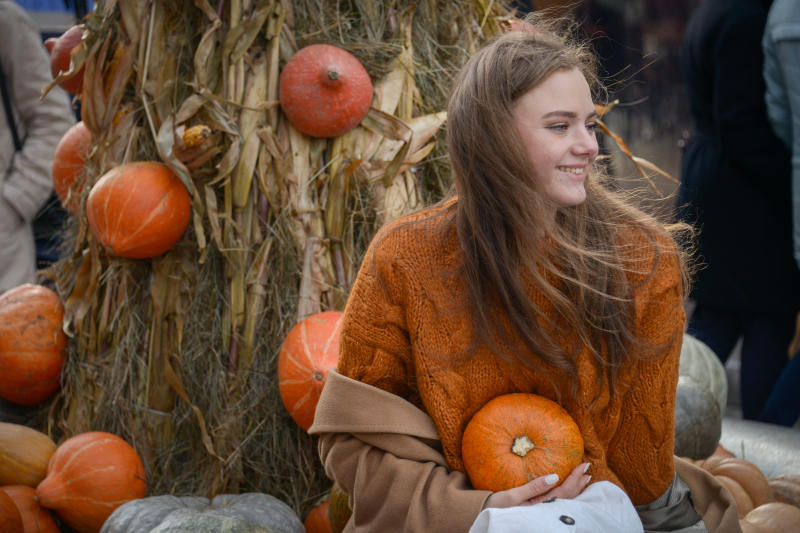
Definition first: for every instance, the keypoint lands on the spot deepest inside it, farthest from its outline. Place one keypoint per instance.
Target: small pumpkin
(517, 437)
(32, 344)
(309, 351)
(60, 49)
(773, 517)
(324, 91)
(10, 519)
(317, 519)
(69, 162)
(139, 209)
(24, 453)
(339, 511)
(700, 363)
(744, 480)
(786, 488)
(89, 476)
(233, 513)
(35, 518)
(698, 421)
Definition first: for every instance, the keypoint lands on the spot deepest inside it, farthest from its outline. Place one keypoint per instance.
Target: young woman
(534, 277)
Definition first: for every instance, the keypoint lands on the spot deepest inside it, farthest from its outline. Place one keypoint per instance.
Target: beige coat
(386, 450)
(25, 177)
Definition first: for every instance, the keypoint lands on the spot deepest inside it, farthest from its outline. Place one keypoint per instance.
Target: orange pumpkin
(786, 488)
(324, 91)
(309, 352)
(24, 454)
(89, 476)
(35, 518)
(744, 480)
(68, 165)
(138, 210)
(339, 511)
(772, 517)
(32, 344)
(317, 520)
(515, 438)
(60, 49)
(10, 519)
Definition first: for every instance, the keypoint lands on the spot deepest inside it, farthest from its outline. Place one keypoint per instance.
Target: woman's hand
(540, 489)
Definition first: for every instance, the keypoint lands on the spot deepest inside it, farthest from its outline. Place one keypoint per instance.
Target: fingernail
(585, 468)
(551, 479)
(588, 479)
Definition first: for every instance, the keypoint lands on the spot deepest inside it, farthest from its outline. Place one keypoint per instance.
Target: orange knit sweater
(404, 332)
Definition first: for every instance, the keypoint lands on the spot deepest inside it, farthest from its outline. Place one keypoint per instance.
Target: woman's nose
(586, 143)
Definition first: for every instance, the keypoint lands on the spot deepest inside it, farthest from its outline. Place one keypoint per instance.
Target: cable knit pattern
(406, 330)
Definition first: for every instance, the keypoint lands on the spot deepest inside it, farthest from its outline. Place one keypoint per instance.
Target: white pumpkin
(698, 422)
(701, 364)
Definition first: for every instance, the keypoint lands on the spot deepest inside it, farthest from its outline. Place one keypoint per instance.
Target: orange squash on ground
(60, 49)
(317, 520)
(69, 161)
(772, 517)
(339, 511)
(35, 518)
(515, 438)
(10, 519)
(89, 476)
(324, 91)
(24, 454)
(786, 488)
(32, 344)
(309, 352)
(138, 210)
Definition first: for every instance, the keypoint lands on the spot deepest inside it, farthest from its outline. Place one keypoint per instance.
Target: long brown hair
(504, 221)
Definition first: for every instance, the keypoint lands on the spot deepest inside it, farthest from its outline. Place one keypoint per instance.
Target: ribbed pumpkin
(32, 344)
(35, 518)
(324, 91)
(24, 454)
(89, 476)
(309, 352)
(251, 512)
(339, 511)
(772, 517)
(700, 363)
(69, 161)
(10, 519)
(60, 49)
(744, 480)
(786, 488)
(517, 437)
(138, 210)
(317, 519)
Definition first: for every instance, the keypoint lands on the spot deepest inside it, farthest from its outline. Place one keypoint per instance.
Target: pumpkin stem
(522, 445)
(333, 75)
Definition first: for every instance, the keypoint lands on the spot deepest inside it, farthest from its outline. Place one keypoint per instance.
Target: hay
(178, 354)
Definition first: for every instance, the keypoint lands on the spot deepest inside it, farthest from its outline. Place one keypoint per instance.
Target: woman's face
(556, 122)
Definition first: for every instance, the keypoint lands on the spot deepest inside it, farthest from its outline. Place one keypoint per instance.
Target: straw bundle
(178, 354)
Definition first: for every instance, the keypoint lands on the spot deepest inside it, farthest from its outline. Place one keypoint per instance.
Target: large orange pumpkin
(309, 352)
(60, 49)
(32, 344)
(89, 476)
(10, 519)
(744, 480)
(317, 520)
(324, 91)
(774, 517)
(69, 161)
(515, 438)
(35, 518)
(138, 210)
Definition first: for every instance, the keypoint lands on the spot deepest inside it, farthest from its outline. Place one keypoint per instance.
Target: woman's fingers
(571, 487)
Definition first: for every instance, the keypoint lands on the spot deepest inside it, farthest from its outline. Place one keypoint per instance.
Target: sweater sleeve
(641, 452)
(374, 343)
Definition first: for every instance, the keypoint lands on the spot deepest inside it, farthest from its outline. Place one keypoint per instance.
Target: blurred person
(30, 129)
(781, 44)
(735, 188)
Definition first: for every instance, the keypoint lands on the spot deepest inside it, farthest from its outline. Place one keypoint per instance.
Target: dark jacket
(735, 171)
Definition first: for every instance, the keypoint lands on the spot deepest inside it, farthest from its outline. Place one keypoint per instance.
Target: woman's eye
(557, 127)
(592, 127)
